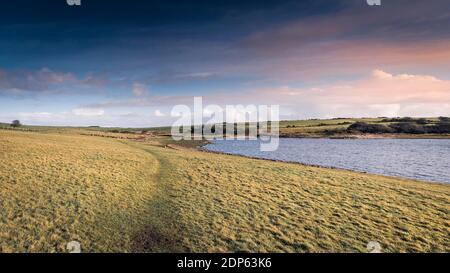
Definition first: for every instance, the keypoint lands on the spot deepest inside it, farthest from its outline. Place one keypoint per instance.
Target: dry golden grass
(120, 195)
(58, 188)
(227, 203)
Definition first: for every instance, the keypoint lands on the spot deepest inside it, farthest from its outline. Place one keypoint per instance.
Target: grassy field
(124, 195)
(56, 188)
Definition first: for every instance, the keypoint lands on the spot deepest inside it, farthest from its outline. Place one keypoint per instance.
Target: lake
(422, 159)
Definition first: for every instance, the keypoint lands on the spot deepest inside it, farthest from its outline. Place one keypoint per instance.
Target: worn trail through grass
(209, 202)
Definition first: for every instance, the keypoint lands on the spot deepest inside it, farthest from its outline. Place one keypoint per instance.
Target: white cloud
(380, 74)
(88, 112)
(36, 115)
(158, 113)
(39, 118)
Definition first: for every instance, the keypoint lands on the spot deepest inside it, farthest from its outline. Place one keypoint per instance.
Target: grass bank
(227, 203)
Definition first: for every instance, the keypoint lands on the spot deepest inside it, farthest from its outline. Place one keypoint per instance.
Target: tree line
(403, 126)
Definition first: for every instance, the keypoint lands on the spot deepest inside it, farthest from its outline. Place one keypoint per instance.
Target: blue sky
(127, 63)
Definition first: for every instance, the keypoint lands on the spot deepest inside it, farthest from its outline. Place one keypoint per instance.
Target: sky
(128, 63)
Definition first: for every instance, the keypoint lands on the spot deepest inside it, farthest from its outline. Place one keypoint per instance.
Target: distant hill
(338, 127)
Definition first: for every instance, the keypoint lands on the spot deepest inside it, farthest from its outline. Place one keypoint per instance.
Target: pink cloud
(379, 94)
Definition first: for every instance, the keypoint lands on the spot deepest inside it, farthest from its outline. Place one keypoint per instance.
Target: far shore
(372, 136)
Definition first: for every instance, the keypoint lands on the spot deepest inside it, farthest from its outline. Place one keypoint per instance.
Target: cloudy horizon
(126, 64)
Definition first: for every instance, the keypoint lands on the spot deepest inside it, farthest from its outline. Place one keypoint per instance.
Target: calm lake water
(422, 159)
